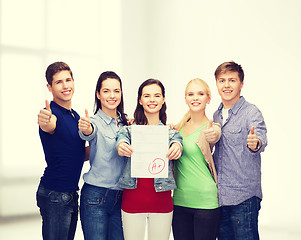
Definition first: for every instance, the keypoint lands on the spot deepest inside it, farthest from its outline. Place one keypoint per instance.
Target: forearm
(89, 131)
(49, 127)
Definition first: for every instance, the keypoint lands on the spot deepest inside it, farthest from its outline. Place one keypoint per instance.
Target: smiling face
(229, 87)
(151, 99)
(197, 96)
(62, 88)
(109, 96)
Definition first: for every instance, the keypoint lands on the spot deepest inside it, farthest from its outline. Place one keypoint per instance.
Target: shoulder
(99, 121)
(56, 111)
(174, 135)
(124, 130)
(248, 105)
(216, 115)
(216, 112)
(250, 110)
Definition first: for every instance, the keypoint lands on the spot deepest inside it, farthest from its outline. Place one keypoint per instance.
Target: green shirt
(196, 187)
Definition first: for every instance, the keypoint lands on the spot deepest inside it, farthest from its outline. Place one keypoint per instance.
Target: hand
(171, 126)
(210, 135)
(253, 140)
(131, 121)
(174, 152)
(84, 124)
(124, 149)
(45, 115)
(46, 120)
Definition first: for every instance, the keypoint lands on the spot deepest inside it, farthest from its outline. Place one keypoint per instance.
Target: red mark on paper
(156, 166)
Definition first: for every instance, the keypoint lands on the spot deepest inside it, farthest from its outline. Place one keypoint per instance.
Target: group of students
(203, 197)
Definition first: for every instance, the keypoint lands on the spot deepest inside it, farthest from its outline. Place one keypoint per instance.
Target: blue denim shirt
(161, 184)
(238, 167)
(106, 164)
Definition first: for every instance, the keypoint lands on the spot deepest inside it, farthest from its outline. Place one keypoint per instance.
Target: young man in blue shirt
(237, 156)
(64, 152)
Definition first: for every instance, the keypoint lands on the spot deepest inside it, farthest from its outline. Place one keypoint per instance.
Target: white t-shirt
(225, 113)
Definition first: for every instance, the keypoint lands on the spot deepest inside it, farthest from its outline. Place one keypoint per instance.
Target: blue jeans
(100, 213)
(59, 211)
(240, 222)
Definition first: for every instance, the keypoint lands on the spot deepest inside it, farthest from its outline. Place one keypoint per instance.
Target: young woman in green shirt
(196, 210)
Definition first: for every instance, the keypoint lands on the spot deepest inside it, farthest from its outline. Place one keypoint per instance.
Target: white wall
(188, 39)
(175, 41)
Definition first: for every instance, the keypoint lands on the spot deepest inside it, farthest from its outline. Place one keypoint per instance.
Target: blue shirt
(106, 164)
(64, 152)
(238, 167)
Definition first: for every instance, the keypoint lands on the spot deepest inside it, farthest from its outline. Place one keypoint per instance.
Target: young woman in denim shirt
(100, 203)
(196, 210)
(148, 200)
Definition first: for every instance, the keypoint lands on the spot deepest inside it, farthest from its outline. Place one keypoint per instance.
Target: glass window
(33, 34)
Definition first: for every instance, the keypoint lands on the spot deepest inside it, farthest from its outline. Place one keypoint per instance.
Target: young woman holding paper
(148, 200)
(196, 211)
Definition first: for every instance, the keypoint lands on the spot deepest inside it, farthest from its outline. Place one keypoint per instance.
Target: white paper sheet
(150, 145)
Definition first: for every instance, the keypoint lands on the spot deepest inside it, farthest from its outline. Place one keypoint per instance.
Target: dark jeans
(59, 211)
(195, 224)
(240, 222)
(100, 213)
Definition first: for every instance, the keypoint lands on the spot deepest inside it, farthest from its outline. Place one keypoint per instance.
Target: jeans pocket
(92, 199)
(60, 198)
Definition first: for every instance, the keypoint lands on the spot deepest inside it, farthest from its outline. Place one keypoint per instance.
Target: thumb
(86, 113)
(252, 130)
(210, 123)
(47, 105)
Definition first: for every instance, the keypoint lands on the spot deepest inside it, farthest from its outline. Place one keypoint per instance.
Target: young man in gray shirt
(237, 156)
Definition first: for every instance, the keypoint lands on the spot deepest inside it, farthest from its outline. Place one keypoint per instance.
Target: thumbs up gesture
(46, 120)
(252, 140)
(210, 134)
(84, 124)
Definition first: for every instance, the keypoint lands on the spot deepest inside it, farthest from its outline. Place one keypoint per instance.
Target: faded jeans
(100, 213)
(240, 222)
(59, 211)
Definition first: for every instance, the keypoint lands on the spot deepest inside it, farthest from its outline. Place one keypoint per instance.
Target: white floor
(30, 228)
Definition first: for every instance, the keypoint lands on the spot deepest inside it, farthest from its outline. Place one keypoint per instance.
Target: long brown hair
(97, 104)
(139, 116)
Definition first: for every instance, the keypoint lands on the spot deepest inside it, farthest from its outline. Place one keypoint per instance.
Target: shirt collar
(236, 106)
(107, 118)
(160, 123)
(54, 104)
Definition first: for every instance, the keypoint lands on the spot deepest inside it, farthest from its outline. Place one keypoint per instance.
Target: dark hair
(54, 68)
(97, 104)
(230, 67)
(139, 115)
